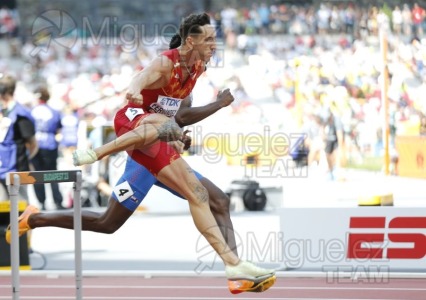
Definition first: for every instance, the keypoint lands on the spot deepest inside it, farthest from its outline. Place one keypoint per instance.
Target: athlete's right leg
(151, 128)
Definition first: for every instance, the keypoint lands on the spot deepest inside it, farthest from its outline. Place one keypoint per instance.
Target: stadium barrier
(368, 241)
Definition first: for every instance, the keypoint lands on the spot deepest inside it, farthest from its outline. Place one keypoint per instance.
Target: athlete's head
(197, 34)
(7, 86)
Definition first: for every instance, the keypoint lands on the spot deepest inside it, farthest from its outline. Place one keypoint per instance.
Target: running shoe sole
(261, 284)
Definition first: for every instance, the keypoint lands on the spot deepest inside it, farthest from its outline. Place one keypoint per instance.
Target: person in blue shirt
(17, 136)
(70, 122)
(48, 124)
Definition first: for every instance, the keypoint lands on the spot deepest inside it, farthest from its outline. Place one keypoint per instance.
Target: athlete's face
(204, 44)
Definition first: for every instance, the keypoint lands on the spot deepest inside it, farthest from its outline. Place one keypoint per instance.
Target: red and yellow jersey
(167, 100)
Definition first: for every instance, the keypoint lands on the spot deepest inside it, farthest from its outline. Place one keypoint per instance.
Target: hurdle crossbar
(13, 181)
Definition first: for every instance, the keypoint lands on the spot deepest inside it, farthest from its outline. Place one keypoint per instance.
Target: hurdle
(13, 181)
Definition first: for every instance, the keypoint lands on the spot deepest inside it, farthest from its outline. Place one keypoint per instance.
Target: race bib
(167, 106)
(132, 112)
(123, 191)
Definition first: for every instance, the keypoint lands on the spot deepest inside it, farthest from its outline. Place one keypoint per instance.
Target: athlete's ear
(190, 41)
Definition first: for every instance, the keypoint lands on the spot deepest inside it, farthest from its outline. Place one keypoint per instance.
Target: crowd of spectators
(328, 58)
(327, 18)
(304, 19)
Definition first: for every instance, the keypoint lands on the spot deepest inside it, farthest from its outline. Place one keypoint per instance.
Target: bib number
(133, 112)
(123, 191)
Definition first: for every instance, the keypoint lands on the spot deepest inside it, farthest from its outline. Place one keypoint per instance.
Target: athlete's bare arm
(155, 75)
(188, 115)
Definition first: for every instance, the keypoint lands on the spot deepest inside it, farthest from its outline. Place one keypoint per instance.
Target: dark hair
(190, 25)
(175, 42)
(7, 85)
(43, 93)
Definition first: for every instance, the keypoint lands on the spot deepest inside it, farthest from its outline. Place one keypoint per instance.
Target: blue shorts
(135, 183)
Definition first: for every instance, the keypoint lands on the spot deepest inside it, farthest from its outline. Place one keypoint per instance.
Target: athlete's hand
(186, 140)
(224, 98)
(134, 94)
(179, 146)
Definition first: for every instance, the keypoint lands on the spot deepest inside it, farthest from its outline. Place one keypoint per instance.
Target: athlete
(163, 85)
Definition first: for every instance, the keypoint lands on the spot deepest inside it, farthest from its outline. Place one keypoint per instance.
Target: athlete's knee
(200, 192)
(169, 130)
(110, 229)
(218, 200)
(108, 226)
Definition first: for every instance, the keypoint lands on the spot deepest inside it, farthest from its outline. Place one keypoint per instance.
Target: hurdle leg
(14, 247)
(13, 181)
(77, 237)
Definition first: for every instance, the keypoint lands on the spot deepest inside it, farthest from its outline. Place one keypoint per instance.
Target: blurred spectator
(69, 132)
(372, 25)
(333, 136)
(48, 124)
(349, 19)
(407, 21)
(264, 14)
(423, 125)
(323, 19)
(17, 136)
(313, 129)
(397, 20)
(418, 15)
(229, 19)
(8, 22)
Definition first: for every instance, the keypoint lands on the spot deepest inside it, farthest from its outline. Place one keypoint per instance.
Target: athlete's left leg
(103, 222)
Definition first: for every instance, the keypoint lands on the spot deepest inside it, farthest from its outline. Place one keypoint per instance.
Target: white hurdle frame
(14, 180)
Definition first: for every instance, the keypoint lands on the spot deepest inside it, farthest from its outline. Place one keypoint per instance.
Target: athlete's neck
(187, 56)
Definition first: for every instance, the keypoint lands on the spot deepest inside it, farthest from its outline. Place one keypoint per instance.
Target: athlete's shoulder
(172, 54)
(162, 63)
(167, 59)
